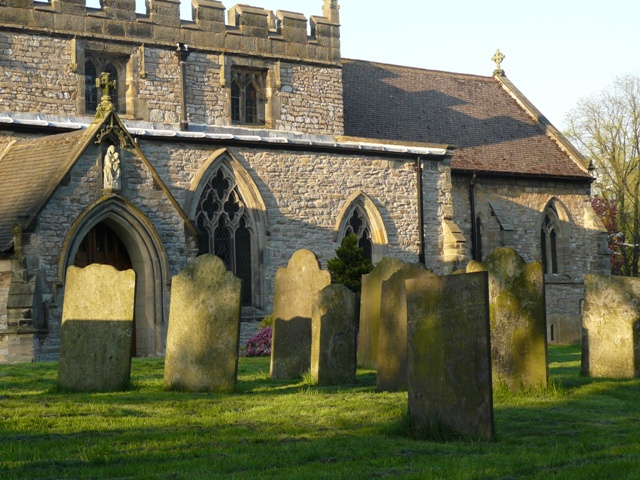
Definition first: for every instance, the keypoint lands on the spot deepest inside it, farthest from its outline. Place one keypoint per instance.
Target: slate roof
(494, 133)
(30, 170)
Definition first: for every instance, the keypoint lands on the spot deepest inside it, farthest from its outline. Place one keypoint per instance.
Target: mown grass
(578, 428)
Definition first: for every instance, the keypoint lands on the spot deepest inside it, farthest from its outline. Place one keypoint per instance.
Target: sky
(557, 51)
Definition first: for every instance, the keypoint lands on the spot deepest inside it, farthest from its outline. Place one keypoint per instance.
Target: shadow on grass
(271, 429)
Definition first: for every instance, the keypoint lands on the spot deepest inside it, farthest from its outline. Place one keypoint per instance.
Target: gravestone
(204, 326)
(296, 288)
(333, 347)
(611, 327)
(518, 322)
(392, 338)
(96, 330)
(370, 304)
(449, 359)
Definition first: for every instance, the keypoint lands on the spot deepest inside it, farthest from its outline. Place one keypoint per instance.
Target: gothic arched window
(225, 228)
(548, 240)
(358, 225)
(90, 90)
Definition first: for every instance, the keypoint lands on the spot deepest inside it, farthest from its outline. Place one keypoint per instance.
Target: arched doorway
(102, 245)
(134, 234)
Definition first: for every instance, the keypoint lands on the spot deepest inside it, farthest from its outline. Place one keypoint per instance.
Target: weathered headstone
(296, 288)
(392, 338)
(611, 327)
(333, 347)
(518, 322)
(96, 331)
(370, 302)
(449, 359)
(204, 326)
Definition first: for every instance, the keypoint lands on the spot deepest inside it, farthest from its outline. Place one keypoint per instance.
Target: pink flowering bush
(259, 345)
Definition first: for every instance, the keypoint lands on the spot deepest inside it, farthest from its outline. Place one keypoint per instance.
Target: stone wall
(35, 74)
(564, 310)
(304, 193)
(45, 74)
(518, 204)
(45, 245)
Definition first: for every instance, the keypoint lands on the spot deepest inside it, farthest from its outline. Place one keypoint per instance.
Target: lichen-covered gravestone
(392, 338)
(296, 288)
(449, 359)
(518, 321)
(96, 331)
(611, 327)
(370, 304)
(333, 348)
(204, 326)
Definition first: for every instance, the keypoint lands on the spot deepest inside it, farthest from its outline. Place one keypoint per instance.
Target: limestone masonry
(142, 141)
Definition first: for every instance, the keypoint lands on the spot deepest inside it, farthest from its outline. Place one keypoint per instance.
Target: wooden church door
(102, 245)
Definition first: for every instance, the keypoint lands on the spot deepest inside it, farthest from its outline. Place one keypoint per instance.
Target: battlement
(249, 31)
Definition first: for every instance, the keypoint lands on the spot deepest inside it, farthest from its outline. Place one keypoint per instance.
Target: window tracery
(225, 228)
(358, 225)
(247, 97)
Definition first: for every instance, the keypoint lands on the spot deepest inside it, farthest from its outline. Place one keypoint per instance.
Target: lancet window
(225, 228)
(549, 240)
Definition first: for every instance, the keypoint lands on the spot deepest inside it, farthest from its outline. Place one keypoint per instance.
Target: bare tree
(606, 129)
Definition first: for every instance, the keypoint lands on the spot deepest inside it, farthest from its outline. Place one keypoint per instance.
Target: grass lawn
(578, 428)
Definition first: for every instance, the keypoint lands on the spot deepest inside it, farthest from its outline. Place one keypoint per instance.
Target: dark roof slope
(29, 171)
(493, 132)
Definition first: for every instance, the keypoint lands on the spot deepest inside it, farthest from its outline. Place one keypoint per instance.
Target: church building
(144, 140)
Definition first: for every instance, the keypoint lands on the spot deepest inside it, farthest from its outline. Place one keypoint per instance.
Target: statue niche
(111, 169)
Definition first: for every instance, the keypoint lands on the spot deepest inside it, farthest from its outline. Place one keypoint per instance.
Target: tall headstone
(370, 303)
(449, 359)
(611, 327)
(333, 344)
(518, 321)
(296, 288)
(392, 338)
(96, 331)
(204, 327)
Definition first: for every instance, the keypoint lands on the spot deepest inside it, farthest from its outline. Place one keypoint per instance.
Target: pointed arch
(227, 207)
(359, 212)
(554, 227)
(148, 258)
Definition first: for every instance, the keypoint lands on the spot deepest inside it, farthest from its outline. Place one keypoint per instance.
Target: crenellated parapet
(247, 30)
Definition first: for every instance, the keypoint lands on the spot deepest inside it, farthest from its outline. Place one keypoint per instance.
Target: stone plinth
(370, 302)
(392, 339)
(97, 322)
(449, 361)
(204, 326)
(518, 323)
(296, 288)
(611, 327)
(333, 348)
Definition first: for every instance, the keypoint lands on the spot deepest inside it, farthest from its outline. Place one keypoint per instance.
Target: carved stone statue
(111, 170)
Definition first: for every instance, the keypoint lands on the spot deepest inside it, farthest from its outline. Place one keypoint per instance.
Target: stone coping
(235, 134)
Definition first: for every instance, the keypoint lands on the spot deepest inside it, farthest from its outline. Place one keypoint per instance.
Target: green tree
(606, 129)
(349, 264)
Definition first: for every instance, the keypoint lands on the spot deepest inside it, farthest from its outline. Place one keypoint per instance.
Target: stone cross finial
(104, 83)
(498, 57)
